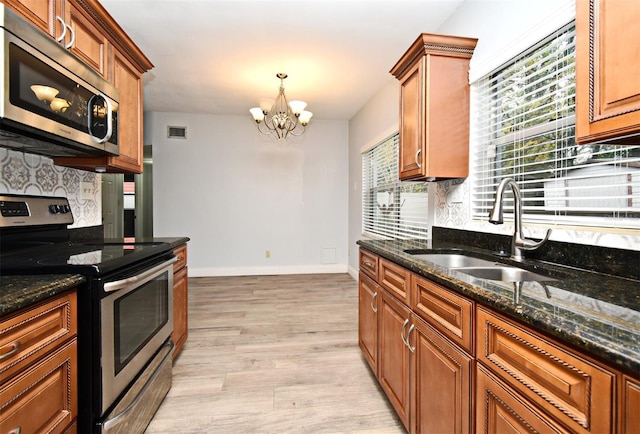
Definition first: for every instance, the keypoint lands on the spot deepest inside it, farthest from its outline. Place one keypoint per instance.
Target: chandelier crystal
(282, 118)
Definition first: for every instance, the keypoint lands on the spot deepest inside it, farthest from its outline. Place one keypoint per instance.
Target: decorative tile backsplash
(36, 175)
(453, 211)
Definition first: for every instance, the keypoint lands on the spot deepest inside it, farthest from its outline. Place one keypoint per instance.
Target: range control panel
(24, 210)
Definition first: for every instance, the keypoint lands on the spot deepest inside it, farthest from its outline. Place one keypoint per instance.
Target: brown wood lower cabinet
(441, 383)
(449, 365)
(500, 410)
(180, 300)
(39, 369)
(368, 293)
(393, 353)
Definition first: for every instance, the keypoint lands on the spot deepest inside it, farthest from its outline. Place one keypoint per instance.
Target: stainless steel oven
(136, 319)
(125, 315)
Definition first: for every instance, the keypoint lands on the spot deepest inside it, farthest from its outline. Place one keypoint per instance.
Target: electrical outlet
(267, 254)
(86, 190)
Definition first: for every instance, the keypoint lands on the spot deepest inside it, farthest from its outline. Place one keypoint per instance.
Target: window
(523, 127)
(390, 208)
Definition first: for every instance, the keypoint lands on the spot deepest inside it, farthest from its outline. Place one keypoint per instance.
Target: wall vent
(177, 132)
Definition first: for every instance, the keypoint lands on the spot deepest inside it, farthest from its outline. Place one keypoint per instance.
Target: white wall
(236, 194)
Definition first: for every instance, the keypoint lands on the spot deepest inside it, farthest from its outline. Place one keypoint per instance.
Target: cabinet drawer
(396, 280)
(573, 390)
(181, 256)
(449, 313)
(42, 399)
(369, 264)
(29, 335)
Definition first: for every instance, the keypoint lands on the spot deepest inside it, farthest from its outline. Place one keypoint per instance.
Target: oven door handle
(133, 280)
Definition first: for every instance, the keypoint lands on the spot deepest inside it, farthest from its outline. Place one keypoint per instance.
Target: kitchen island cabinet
(38, 367)
(473, 368)
(434, 107)
(607, 71)
(93, 35)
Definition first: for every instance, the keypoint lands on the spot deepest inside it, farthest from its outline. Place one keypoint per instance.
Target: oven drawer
(136, 408)
(181, 257)
(27, 336)
(43, 398)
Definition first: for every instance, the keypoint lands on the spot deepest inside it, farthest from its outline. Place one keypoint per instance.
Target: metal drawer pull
(412, 349)
(16, 346)
(417, 162)
(119, 284)
(404, 326)
(373, 299)
(139, 396)
(16, 430)
(368, 264)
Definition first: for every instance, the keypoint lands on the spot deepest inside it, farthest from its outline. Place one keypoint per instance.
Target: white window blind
(523, 128)
(390, 208)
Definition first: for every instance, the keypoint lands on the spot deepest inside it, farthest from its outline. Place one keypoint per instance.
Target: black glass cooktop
(80, 258)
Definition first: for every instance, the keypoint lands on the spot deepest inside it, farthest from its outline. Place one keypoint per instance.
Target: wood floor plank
(273, 354)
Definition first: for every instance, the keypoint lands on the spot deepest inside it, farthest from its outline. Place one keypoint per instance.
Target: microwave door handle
(109, 111)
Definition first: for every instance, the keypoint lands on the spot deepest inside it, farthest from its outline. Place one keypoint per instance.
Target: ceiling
(221, 56)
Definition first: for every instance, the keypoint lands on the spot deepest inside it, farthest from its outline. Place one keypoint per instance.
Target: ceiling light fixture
(282, 118)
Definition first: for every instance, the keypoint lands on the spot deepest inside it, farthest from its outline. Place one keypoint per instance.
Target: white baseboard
(353, 272)
(268, 271)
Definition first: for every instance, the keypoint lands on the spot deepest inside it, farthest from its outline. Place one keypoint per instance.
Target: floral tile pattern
(22, 173)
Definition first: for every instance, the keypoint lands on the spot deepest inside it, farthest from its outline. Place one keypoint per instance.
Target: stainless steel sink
(481, 268)
(504, 273)
(453, 260)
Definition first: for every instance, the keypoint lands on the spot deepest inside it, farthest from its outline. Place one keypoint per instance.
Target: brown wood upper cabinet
(92, 35)
(434, 107)
(607, 71)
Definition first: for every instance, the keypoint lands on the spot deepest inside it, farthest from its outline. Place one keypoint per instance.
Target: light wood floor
(273, 354)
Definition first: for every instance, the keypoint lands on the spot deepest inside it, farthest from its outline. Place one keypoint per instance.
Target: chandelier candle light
(283, 118)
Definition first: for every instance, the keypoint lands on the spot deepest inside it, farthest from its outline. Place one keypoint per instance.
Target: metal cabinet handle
(64, 29)
(373, 299)
(16, 346)
(73, 37)
(368, 264)
(16, 430)
(412, 349)
(404, 326)
(418, 162)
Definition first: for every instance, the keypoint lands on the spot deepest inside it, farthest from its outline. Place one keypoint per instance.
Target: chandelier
(282, 118)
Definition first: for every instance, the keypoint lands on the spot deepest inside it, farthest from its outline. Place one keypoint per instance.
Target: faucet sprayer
(519, 242)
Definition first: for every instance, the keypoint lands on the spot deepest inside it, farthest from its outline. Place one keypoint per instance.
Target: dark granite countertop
(17, 292)
(596, 313)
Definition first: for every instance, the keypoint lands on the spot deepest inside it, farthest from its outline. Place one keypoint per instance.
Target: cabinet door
(412, 153)
(43, 398)
(89, 43)
(180, 310)
(368, 292)
(629, 415)
(44, 14)
(393, 354)
(500, 410)
(441, 381)
(607, 69)
(575, 391)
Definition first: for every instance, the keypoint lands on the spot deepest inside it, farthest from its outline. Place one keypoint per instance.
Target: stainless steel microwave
(52, 103)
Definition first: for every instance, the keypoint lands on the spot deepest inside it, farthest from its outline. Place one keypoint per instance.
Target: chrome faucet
(519, 242)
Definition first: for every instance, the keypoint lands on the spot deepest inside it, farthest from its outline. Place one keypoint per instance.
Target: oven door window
(138, 316)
